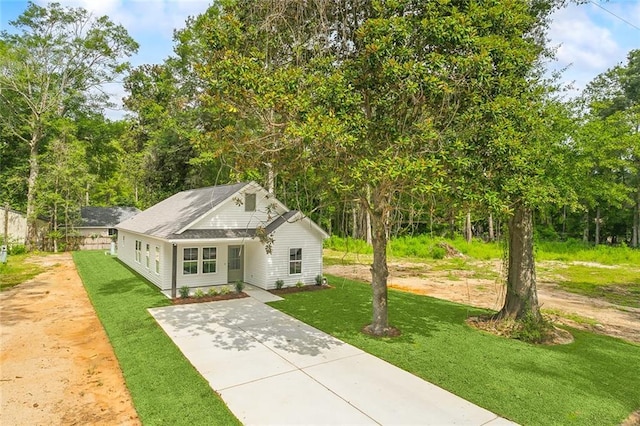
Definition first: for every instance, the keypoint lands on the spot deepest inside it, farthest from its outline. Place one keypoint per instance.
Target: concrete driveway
(271, 369)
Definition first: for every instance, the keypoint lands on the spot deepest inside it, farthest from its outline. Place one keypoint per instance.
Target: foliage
(279, 284)
(225, 290)
(299, 284)
(239, 286)
(487, 370)
(199, 293)
(319, 278)
(17, 270)
(52, 68)
(184, 292)
(121, 299)
(212, 292)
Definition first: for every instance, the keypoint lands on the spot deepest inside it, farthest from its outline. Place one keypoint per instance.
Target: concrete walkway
(271, 369)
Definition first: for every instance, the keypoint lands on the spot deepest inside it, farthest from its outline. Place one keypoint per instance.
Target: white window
(112, 232)
(157, 260)
(190, 261)
(250, 202)
(295, 261)
(209, 257)
(147, 255)
(138, 250)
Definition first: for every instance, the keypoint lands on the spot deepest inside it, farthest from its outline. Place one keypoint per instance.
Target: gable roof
(168, 217)
(107, 217)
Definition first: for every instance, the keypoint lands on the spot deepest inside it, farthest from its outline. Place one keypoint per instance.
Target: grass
(17, 270)
(620, 285)
(591, 381)
(165, 387)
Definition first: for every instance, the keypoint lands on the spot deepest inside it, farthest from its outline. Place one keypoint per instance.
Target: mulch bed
(289, 290)
(193, 299)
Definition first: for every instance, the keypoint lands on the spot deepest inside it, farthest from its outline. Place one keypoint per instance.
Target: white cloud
(590, 40)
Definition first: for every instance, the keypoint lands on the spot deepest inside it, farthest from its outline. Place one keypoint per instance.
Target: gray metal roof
(169, 216)
(108, 217)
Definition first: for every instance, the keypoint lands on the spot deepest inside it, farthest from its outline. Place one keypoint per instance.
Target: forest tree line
(194, 123)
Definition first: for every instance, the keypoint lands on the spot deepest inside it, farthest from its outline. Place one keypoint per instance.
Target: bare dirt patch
(57, 366)
(460, 286)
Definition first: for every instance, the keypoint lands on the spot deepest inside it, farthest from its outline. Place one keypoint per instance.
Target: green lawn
(591, 381)
(619, 285)
(166, 389)
(17, 271)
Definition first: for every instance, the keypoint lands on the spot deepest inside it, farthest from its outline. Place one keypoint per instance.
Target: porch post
(174, 268)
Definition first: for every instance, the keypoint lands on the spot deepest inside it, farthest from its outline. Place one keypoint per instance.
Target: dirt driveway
(459, 286)
(56, 364)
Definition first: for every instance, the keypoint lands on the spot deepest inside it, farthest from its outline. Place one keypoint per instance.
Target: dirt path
(56, 364)
(458, 286)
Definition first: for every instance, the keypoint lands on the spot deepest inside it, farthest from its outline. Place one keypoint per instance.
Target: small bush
(212, 292)
(279, 284)
(17, 249)
(199, 293)
(532, 330)
(438, 253)
(239, 286)
(225, 290)
(319, 279)
(184, 292)
(299, 284)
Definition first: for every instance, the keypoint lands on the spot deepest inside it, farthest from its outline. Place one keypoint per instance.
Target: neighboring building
(14, 225)
(220, 235)
(98, 225)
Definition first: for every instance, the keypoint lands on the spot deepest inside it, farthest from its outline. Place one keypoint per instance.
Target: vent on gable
(249, 202)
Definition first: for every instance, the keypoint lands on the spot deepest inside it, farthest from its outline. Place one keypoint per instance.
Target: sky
(590, 38)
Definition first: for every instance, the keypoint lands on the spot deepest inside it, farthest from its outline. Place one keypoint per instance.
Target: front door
(236, 264)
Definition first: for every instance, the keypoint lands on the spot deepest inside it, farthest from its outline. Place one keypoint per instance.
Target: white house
(97, 225)
(220, 235)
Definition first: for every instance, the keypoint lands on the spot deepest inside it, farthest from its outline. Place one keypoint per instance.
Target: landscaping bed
(207, 298)
(298, 289)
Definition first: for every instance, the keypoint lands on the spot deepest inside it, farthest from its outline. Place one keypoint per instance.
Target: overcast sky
(590, 38)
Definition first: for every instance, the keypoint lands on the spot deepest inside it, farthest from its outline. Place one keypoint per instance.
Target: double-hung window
(190, 261)
(295, 261)
(157, 260)
(138, 250)
(209, 255)
(147, 259)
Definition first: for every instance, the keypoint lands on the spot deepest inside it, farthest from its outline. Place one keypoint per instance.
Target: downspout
(174, 269)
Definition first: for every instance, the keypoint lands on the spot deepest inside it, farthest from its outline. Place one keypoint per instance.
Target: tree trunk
(31, 233)
(635, 232)
(585, 234)
(522, 296)
(367, 218)
(468, 234)
(597, 236)
(379, 271)
(491, 234)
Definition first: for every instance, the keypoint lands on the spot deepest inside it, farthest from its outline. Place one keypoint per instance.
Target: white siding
(294, 235)
(200, 279)
(230, 215)
(256, 265)
(126, 253)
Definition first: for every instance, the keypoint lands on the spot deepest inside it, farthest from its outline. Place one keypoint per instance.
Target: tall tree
(58, 60)
(370, 95)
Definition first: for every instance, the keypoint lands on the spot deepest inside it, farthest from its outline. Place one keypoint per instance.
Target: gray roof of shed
(109, 217)
(169, 216)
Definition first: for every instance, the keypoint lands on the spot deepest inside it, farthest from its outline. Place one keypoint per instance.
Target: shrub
(199, 293)
(279, 284)
(184, 292)
(438, 252)
(319, 279)
(212, 292)
(299, 284)
(239, 286)
(16, 249)
(225, 290)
